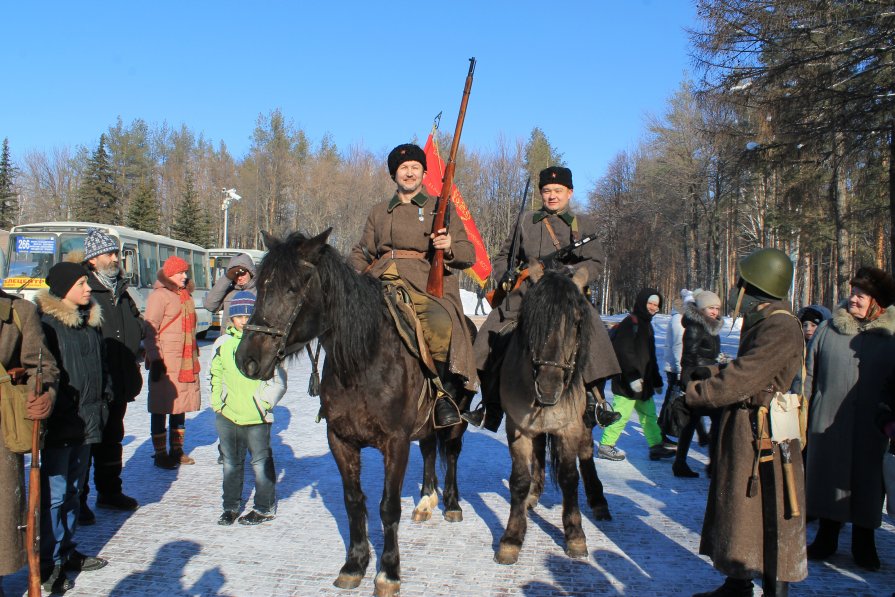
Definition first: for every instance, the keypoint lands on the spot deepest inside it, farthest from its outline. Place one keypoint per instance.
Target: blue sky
(369, 73)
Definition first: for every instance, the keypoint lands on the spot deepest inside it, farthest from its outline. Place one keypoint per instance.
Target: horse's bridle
(567, 366)
(283, 332)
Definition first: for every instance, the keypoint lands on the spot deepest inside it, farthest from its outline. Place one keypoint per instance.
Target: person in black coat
(702, 346)
(70, 321)
(635, 348)
(122, 331)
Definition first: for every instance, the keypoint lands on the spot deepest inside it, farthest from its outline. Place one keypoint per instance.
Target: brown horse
(543, 395)
(371, 390)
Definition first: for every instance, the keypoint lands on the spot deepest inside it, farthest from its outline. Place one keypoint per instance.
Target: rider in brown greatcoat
(541, 233)
(395, 245)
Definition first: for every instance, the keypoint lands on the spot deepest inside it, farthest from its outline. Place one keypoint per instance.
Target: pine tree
(97, 201)
(9, 201)
(144, 213)
(189, 221)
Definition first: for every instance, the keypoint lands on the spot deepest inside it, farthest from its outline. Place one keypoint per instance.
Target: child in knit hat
(243, 419)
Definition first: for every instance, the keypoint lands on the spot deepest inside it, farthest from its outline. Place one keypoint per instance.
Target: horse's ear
(270, 241)
(580, 277)
(535, 270)
(315, 245)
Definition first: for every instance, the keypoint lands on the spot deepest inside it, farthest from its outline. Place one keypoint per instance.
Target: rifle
(560, 256)
(32, 526)
(435, 283)
(508, 280)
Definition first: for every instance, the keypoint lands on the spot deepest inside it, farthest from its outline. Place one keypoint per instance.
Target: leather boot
(446, 412)
(826, 541)
(863, 548)
(176, 439)
(489, 414)
(774, 588)
(590, 409)
(732, 587)
(161, 457)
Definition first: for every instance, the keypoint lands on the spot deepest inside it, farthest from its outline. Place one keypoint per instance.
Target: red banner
(432, 181)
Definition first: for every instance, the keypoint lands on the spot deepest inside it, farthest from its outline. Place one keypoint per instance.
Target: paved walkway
(173, 546)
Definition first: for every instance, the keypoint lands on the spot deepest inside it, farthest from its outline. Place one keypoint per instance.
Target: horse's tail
(442, 438)
(552, 448)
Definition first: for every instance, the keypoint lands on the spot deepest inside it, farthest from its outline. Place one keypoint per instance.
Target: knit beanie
(98, 243)
(686, 296)
(63, 276)
(707, 298)
(174, 265)
(242, 303)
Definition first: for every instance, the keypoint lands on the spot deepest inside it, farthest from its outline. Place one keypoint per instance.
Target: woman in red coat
(172, 358)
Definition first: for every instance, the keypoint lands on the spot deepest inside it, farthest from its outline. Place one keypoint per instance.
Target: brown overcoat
(770, 354)
(18, 349)
(168, 396)
(393, 225)
(535, 242)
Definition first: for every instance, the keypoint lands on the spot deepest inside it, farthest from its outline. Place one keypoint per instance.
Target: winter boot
(489, 414)
(162, 460)
(732, 587)
(176, 440)
(826, 541)
(863, 548)
(446, 412)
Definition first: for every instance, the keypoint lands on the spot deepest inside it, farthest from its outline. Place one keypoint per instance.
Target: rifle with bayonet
(435, 283)
(510, 277)
(32, 524)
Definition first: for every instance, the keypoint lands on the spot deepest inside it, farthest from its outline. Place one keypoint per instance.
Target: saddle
(410, 330)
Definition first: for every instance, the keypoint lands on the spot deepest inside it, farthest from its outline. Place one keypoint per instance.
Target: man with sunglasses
(240, 276)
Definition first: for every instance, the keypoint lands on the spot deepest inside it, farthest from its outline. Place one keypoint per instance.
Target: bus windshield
(32, 255)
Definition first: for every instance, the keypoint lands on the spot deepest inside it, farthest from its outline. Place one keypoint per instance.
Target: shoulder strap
(553, 238)
(804, 350)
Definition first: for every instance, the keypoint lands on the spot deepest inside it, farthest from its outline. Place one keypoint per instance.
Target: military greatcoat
(396, 226)
(536, 242)
(770, 355)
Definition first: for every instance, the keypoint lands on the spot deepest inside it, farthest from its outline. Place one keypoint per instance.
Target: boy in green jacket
(243, 420)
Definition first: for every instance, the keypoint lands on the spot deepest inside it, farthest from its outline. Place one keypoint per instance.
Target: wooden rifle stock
(32, 526)
(435, 283)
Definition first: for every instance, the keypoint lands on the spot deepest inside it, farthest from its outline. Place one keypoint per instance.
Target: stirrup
(474, 417)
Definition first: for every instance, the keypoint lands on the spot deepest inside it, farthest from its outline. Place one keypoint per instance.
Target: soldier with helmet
(751, 528)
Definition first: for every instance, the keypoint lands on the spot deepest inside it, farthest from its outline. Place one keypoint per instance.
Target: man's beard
(110, 272)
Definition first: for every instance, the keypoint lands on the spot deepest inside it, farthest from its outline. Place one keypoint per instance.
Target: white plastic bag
(784, 413)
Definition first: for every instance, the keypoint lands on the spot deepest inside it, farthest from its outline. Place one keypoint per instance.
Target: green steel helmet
(769, 270)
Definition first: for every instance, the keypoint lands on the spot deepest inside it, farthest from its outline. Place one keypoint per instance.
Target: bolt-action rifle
(511, 276)
(435, 283)
(32, 526)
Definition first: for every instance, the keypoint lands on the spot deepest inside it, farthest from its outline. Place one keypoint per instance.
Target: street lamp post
(229, 196)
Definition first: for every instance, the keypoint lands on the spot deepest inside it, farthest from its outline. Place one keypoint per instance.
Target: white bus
(219, 263)
(35, 248)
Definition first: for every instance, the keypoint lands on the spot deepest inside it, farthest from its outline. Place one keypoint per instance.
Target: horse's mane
(352, 303)
(554, 298)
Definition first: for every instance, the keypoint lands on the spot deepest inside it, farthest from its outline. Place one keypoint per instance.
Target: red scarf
(189, 358)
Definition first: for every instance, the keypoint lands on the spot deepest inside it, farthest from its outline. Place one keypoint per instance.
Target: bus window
(199, 270)
(148, 262)
(69, 243)
(128, 267)
(164, 251)
(31, 256)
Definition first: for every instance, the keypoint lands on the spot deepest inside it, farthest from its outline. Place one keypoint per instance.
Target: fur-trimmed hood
(693, 316)
(66, 314)
(164, 281)
(845, 323)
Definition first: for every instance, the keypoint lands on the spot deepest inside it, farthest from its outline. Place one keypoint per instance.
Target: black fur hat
(405, 153)
(877, 283)
(555, 175)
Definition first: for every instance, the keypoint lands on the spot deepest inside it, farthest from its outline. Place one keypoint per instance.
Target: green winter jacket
(242, 400)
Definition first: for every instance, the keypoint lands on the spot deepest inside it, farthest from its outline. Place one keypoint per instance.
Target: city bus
(219, 263)
(35, 248)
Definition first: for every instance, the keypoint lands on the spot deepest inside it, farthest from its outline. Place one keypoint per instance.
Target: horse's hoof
(384, 586)
(423, 510)
(576, 548)
(421, 515)
(453, 515)
(601, 513)
(507, 554)
(348, 581)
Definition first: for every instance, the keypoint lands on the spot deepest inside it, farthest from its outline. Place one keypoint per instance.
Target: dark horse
(371, 390)
(542, 393)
